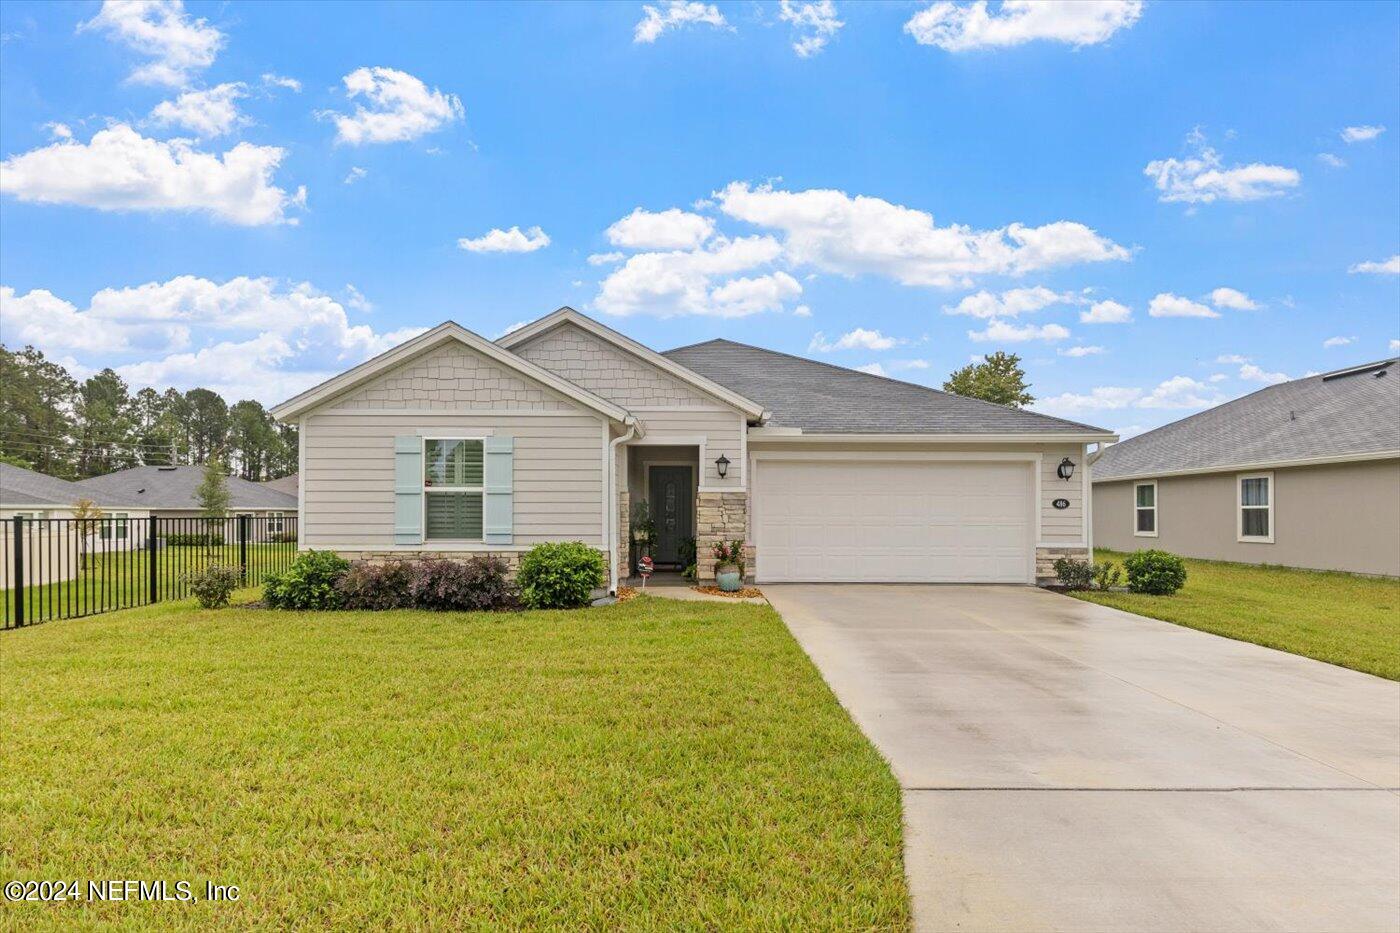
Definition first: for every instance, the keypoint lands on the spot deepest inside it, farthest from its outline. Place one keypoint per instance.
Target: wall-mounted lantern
(1066, 469)
(722, 465)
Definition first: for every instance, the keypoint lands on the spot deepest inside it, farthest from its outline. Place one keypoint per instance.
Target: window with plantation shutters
(453, 487)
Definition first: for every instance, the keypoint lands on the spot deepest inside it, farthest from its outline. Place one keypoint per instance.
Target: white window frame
(276, 522)
(455, 490)
(1240, 507)
(1156, 514)
(113, 526)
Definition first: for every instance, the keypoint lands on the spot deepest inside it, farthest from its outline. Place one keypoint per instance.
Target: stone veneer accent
(720, 516)
(1045, 558)
(624, 535)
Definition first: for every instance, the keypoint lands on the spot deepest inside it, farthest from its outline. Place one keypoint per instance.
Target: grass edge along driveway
(1344, 619)
(653, 764)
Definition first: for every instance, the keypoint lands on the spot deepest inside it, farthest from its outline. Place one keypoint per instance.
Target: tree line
(55, 424)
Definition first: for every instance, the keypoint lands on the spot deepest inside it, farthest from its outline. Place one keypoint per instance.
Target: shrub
(559, 575)
(476, 584)
(376, 586)
(283, 537)
(729, 552)
(1074, 574)
(308, 584)
(1107, 575)
(213, 585)
(1157, 573)
(194, 539)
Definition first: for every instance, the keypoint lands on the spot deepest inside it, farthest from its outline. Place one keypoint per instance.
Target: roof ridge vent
(1377, 368)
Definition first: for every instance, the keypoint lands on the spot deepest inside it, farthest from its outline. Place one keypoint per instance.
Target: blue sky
(255, 196)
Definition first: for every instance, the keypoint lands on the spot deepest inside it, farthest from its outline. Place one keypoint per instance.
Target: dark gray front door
(672, 509)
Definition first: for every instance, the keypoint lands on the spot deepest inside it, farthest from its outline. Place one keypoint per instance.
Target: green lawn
(652, 765)
(1335, 617)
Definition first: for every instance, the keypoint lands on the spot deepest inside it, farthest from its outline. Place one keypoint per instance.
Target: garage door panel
(894, 521)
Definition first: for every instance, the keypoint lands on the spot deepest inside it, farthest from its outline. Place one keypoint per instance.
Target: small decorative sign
(1061, 503)
(645, 567)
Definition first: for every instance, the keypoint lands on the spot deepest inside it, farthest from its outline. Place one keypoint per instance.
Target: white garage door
(894, 521)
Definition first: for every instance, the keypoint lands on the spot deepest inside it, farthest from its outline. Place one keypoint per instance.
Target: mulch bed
(625, 593)
(746, 592)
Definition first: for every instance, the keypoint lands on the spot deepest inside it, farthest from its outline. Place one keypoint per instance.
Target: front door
(672, 510)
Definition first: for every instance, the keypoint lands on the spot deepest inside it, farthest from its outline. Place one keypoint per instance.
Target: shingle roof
(1351, 411)
(156, 487)
(825, 399)
(287, 484)
(19, 486)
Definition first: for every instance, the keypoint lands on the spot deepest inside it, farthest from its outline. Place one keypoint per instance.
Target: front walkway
(1068, 766)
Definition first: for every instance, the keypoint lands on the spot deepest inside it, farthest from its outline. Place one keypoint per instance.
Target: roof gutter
(1256, 465)
(633, 429)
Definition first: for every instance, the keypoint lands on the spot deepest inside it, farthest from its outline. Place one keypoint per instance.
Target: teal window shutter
(498, 523)
(408, 489)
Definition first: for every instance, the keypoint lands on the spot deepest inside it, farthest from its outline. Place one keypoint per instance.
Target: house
(172, 492)
(1304, 474)
(283, 484)
(453, 445)
(35, 495)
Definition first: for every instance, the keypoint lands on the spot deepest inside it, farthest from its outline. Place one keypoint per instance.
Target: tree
(36, 401)
(208, 423)
(212, 492)
(253, 437)
(106, 441)
(87, 521)
(998, 378)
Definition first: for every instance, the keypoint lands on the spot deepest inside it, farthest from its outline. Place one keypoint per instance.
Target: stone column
(720, 516)
(624, 538)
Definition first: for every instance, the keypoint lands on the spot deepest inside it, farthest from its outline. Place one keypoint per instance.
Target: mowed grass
(651, 765)
(1335, 617)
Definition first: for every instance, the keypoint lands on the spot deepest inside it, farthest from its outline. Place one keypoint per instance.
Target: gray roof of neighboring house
(825, 399)
(287, 484)
(19, 486)
(155, 487)
(1350, 411)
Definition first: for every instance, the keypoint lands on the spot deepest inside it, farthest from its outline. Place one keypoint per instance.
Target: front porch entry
(666, 478)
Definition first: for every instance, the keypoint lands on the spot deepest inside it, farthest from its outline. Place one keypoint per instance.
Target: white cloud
(836, 232)
(401, 108)
(684, 281)
(1203, 178)
(1389, 266)
(873, 369)
(1331, 342)
(59, 130)
(160, 30)
(1178, 392)
(814, 24)
(673, 14)
(1394, 345)
(356, 299)
(121, 170)
(1181, 392)
(1232, 298)
(1080, 351)
(1361, 134)
(907, 364)
(513, 240)
(605, 259)
(355, 174)
(512, 329)
(208, 113)
(1101, 398)
(668, 229)
(1232, 359)
(1106, 312)
(276, 80)
(985, 304)
(1169, 305)
(802, 311)
(858, 339)
(1001, 331)
(961, 27)
(246, 338)
(1330, 160)
(1251, 373)
(1217, 377)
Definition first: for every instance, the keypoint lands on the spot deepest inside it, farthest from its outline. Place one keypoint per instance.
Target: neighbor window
(114, 523)
(1145, 510)
(1256, 507)
(452, 487)
(274, 523)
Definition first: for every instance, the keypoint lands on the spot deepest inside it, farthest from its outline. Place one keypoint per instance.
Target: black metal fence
(64, 568)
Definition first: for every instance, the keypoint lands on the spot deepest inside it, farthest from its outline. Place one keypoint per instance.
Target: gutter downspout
(613, 529)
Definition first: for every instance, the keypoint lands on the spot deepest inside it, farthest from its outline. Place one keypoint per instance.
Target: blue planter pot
(728, 579)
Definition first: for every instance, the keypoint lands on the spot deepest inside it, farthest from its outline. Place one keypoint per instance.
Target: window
(274, 523)
(114, 523)
(1145, 510)
(452, 488)
(1256, 508)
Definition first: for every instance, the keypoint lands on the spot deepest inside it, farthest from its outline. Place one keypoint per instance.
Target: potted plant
(729, 565)
(641, 529)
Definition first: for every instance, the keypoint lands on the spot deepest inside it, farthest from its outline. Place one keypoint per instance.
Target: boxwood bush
(1157, 573)
(213, 585)
(308, 584)
(560, 575)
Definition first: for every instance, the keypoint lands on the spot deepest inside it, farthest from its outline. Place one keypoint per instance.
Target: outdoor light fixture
(1064, 471)
(722, 464)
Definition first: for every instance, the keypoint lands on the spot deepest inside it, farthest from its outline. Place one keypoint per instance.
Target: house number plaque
(1061, 503)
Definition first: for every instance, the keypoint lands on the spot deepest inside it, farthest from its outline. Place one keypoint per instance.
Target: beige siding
(347, 474)
(607, 370)
(1342, 516)
(1058, 527)
(722, 432)
(452, 377)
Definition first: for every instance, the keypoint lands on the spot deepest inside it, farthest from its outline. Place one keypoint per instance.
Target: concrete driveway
(1071, 767)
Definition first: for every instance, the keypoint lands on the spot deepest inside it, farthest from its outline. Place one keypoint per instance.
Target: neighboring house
(453, 445)
(283, 484)
(35, 495)
(1304, 474)
(172, 492)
